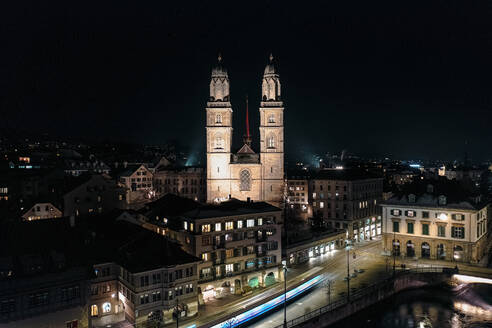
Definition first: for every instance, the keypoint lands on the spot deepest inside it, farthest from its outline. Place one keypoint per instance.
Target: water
(463, 306)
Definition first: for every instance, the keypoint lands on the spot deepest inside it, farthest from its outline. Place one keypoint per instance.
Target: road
(333, 264)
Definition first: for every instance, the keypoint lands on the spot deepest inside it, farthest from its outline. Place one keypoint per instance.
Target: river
(462, 306)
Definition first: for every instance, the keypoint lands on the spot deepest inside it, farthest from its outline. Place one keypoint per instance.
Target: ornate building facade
(245, 174)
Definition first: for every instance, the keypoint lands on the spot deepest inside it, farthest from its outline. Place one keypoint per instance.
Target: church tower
(272, 136)
(219, 134)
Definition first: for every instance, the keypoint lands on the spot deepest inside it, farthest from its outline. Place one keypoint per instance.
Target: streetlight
(284, 264)
(348, 274)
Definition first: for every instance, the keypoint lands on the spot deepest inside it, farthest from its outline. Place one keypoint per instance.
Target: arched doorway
(426, 250)
(441, 252)
(270, 279)
(458, 253)
(410, 249)
(396, 247)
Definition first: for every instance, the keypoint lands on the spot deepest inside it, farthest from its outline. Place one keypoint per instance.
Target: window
(395, 212)
(218, 119)
(229, 268)
(321, 204)
(206, 228)
(239, 224)
(410, 227)
(94, 310)
(250, 223)
(229, 225)
(245, 180)
(425, 229)
(230, 252)
(185, 225)
(219, 142)
(156, 296)
(260, 221)
(218, 226)
(425, 215)
(458, 232)
(271, 118)
(396, 226)
(271, 141)
(206, 240)
(458, 217)
(410, 214)
(106, 307)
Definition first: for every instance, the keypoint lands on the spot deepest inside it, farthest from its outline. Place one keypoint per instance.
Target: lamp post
(394, 253)
(176, 313)
(284, 264)
(348, 274)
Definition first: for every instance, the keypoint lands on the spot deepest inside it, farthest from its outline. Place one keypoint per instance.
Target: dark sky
(408, 79)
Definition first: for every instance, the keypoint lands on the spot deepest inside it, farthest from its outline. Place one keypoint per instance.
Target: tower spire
(247, 136)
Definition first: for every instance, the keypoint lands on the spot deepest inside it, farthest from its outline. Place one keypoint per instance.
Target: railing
(364, 292)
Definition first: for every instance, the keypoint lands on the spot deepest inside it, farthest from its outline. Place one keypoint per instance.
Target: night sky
(406, 79)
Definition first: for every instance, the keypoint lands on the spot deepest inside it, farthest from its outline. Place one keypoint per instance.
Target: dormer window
(411, 198)
(442, 200)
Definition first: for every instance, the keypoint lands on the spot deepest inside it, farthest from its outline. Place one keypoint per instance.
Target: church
(245, 174)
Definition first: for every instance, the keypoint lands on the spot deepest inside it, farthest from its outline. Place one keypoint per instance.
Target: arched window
(218, 119)
(271, 118)
(271, 141)
(245, 177)
(106, 307)
(219, 142)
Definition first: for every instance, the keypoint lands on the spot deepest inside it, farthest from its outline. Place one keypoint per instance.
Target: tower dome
(219, 82)
(219, 71)
(270, 67)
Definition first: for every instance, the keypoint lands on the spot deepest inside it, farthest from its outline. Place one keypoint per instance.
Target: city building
(245, 174)
(92, 193)
(302, 250)
(349, 200)
(78, 167)
(42, 211)
(145, 281)
(436, 219)
(138, 181)
(298, 194)
(186, 181)
(239, 243)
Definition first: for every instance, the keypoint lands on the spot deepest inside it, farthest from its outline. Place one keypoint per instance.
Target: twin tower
(245, 174)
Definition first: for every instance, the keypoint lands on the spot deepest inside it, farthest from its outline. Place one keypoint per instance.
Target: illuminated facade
(245, 174)
(435, 227)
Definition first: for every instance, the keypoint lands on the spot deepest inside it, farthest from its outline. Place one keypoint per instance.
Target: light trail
(472, 280)
(259, 310)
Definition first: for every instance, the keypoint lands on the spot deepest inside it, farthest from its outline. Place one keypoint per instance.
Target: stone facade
(245, 174)
(438, 232)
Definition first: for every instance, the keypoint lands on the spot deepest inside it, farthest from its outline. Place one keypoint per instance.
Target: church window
(218, 119)
(245, 183)
(219, 142)
(271, 141)
(271, 118)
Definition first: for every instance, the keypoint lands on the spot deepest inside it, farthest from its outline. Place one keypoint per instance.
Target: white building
(436, 224)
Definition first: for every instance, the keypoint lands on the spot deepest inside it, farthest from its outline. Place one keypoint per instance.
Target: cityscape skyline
(402, 84)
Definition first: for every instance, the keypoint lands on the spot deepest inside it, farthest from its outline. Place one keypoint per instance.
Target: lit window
(239, 224)
(205, 256)
(271, 141)
(94, 310)
(229, 268)
(206, 228)
(106, 307)
(185, 225)
(321, 204)
(191, 226)
(218, 226)
(260, 221)
(229, 225)
(250, 223)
